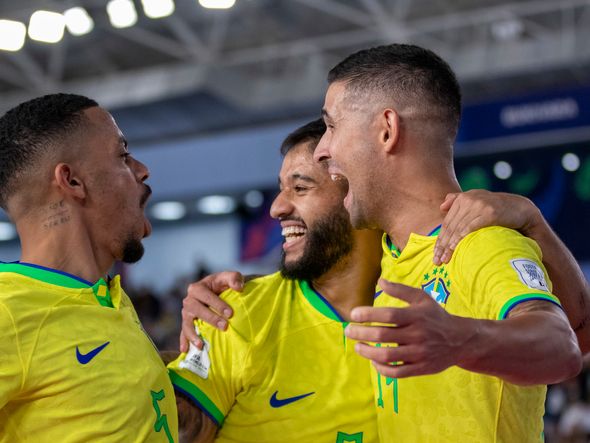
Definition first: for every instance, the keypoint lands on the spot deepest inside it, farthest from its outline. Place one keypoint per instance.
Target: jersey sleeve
(213, 377)
(11, 369)
(500, 269)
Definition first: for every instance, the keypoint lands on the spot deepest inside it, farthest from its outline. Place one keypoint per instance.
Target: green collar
(60, 278)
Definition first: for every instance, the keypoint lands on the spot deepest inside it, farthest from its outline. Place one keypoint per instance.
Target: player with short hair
(283, 371)
(476, 330)
(75, 363)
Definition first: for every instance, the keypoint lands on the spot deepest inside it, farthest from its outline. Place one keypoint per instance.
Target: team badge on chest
(437, 285)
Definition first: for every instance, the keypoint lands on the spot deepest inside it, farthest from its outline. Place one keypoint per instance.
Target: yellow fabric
(457, 405)
(278, 342)
(48, 395)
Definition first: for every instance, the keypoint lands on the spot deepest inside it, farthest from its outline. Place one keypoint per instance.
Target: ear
(69, 182)
(390, 129)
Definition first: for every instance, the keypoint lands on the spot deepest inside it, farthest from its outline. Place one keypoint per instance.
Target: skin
(307, 195)
(476, 209)
(405, 141)
(88, 205)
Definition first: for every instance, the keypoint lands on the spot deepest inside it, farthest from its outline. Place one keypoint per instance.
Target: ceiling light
(254, 199)
(7, 231)
(78, 21)
(157, 8)
(12, 35)
(507, 30)
(46, 26)
(170, 210)
(503, 170)
(217, 4)
(570, 162)
(122, 13)
(216, 204)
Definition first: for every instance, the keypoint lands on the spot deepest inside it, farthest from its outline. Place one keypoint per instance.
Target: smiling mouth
(293, 233)
(336, 177)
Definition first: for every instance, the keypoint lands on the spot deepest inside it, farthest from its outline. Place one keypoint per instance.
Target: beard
(132, 251)
(327, 243)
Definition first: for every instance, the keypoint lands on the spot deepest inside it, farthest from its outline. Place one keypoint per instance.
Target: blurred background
(205, 91)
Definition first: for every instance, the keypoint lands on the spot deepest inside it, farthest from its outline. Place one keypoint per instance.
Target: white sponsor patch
(197, 360)
(530, 273)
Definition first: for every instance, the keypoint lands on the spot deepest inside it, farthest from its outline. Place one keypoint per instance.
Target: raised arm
(476, 209)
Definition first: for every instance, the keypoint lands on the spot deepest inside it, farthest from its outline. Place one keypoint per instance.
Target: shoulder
(495, 239)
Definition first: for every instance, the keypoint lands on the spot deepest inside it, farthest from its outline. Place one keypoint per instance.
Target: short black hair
(412, 75)
(310, 132)
(28, 131)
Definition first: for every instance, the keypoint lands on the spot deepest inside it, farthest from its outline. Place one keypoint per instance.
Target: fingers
(406, 293)
(221, 281)
(200, 298)
(449, 199)
(193, 309)
(388, 316)
(379, 334)
(188, 334)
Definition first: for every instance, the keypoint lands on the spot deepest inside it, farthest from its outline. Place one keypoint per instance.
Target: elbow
(571, 362)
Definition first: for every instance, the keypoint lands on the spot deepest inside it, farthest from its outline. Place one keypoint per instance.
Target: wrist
(468, 343)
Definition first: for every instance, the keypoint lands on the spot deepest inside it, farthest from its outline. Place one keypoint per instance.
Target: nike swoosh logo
(86, 358)
(279, 402)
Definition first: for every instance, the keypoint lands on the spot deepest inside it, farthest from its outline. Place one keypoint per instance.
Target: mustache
(291, 218)
(147, 193)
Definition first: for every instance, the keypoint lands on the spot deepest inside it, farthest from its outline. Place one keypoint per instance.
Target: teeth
(291, 233)
(336, 177)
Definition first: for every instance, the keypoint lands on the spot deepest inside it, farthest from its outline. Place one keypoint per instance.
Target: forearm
(536, 348)
(569, 283)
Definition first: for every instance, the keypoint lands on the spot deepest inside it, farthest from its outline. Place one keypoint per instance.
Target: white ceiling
(268, 54)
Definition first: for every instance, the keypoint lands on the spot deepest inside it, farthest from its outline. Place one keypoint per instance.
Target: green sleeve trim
(510, 304)
(198, 396)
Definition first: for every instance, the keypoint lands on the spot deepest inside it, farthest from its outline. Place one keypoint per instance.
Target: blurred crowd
(567, 409)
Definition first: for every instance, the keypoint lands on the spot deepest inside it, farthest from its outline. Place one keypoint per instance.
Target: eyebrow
(297, 176)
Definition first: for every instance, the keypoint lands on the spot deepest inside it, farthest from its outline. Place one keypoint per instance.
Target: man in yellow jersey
(75, 363)
(283, 371)
(463, 349)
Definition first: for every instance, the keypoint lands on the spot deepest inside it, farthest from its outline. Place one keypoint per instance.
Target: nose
(321, 151)
(281, 206)
(141, 171)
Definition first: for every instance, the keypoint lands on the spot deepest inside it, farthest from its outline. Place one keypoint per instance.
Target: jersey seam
(499, 408)
(18, 346)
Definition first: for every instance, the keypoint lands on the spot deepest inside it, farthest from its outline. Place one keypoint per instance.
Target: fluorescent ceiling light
(216, 204)
(254, 198)
(217, 4)
(46, 26)
(12, 35)
(78, 21)
(157, 8)
(7, 231)
(170, 210)
(503, 170)
(122, 13)
(570, 162)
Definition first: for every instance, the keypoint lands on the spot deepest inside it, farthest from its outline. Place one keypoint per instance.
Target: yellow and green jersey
(75, 363)
(283, 371)
(492, 271)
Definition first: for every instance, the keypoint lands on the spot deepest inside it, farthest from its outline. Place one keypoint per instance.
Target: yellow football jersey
(283, 371)
(492, 270)
(75, 363)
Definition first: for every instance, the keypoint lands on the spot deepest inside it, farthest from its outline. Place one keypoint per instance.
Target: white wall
(176, 251)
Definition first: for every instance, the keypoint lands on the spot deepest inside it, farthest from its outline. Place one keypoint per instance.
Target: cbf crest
(437, 285)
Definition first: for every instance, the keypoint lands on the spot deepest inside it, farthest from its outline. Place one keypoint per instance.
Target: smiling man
(283, 371)
(75, 363)
(476, 330)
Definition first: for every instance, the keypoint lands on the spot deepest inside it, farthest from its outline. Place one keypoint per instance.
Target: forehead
(299, 162)
(101, 124)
